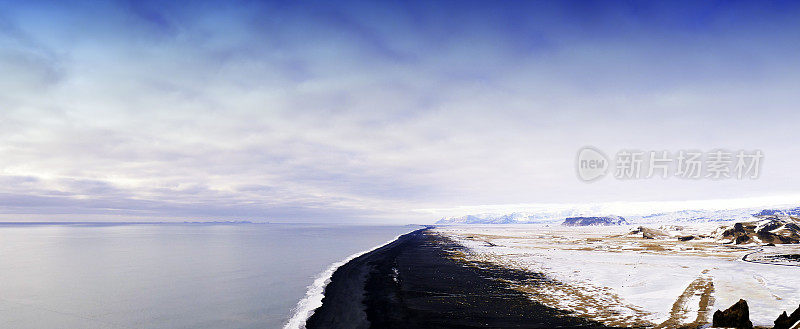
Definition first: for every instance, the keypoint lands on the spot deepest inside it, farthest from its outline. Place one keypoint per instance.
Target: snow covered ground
(618, 278)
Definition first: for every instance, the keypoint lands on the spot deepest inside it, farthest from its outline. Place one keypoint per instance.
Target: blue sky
(379, 111)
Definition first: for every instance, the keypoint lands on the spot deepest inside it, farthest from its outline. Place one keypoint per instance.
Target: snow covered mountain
(695, 215)
(511, 218)
(680, 216)
(594, 221)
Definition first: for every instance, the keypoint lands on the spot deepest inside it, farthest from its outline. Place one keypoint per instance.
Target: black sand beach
(411, 283)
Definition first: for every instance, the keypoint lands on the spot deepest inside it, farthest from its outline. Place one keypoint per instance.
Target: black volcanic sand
(411, 283)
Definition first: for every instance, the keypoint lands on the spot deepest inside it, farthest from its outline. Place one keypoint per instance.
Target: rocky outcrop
(737, 316)
(594, 221)
(768, 225)
(771, 230)
(788, 321)
(649, 233)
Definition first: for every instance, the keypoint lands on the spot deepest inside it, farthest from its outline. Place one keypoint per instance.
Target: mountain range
(680, 216)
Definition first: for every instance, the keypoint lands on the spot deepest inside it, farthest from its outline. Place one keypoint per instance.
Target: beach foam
(316, 291)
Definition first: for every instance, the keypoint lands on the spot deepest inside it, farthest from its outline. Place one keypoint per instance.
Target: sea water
(168, 275)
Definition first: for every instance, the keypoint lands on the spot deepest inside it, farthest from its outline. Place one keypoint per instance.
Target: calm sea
(168, 275)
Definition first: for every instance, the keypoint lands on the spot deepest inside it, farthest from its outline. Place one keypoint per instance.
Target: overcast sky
(380, 112)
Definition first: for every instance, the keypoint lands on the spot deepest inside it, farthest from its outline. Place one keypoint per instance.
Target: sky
(380, 112)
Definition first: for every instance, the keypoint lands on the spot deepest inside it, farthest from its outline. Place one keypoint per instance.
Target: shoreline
(313, 299)
(412, 282)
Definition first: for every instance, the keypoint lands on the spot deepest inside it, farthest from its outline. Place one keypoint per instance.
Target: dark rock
(769, 226)
(782, 322)
(735, 232)
(787, 321)
(742, 239)
(772, 231)
(686, 238)
(728, 233)
(737, 316)
(766, 236)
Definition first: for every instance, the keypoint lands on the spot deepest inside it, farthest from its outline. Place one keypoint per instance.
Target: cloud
(367, 112)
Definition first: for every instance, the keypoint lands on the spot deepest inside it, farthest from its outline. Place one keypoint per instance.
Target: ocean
(170, 275)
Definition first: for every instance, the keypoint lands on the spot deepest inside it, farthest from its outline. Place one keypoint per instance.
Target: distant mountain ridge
(779, 212)
(680, 216)
(510, 218)
(594, 221)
